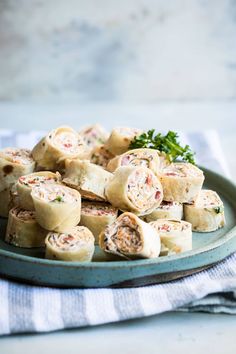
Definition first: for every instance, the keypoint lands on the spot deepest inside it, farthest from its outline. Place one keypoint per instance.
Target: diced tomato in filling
(68, 238)
(148, 180)
(67, 145)
(101, 212)
(157, 195)
(165, 227)
(32, 181)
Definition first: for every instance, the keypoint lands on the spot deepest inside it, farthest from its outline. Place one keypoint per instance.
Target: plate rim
(133, 263)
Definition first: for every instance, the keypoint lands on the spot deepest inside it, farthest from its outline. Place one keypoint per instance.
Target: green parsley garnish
(168, 144)
(219, 209)
(58, 199)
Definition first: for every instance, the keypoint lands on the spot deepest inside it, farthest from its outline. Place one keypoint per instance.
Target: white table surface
(171, 332)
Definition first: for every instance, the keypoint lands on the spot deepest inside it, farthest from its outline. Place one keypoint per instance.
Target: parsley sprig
(168, 144)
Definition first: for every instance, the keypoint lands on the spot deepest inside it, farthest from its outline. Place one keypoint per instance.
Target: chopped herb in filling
(59, 199)
(219, 209)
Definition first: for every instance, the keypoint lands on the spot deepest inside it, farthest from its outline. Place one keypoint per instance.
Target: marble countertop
(170, 332)
(123, 50)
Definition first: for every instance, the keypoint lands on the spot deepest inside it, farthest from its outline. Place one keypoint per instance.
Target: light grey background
(126, 50)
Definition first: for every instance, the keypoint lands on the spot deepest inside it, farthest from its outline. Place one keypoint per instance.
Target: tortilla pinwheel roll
(23, 229)
(13, 164)
(164, 160)
(130, 237)
(166, 210)
(57, 207)
(176, 235)
(101, 156)
(76, 245)
(94, 135)
(60, 144)
(120, 139)
(181, 182)
(14, 198)
(26, 183)
(207, 212)
(8, 200)
(89, 179)
(138, 157)
(135, 189)
(96, 216)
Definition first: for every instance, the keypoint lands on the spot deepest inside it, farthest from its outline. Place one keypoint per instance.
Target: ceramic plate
(29, 265)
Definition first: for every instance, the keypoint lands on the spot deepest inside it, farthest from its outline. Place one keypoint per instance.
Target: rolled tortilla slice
(166, 210)
(138, 157)
(135, 189)
(164, 161)
(130, 237)
(94, 135)
(101, 156)
(89, 179)
(8, 200)
(207, 212)
(176, 235)
(96, 216)
(60, 144)
(57, 207)
(120, 139)
(5, 202)
(14, 198)
(23, 230)
(26, 183)
(181, 182)
(13, 164)
(76, 245)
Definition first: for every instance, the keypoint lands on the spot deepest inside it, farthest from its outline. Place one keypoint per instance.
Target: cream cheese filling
(19, 156)
(54, 193)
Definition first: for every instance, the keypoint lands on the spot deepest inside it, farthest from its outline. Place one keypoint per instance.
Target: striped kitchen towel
(26, 308)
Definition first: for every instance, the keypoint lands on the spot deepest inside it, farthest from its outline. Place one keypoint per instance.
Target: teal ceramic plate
(208, 249)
